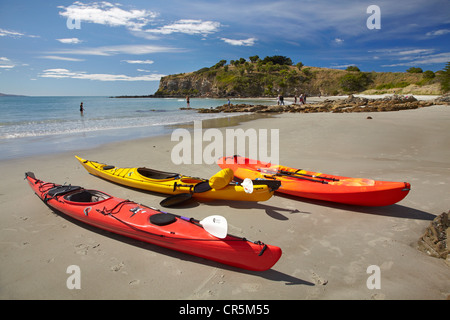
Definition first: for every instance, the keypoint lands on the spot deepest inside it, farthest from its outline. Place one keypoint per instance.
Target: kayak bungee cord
(110, 212)
(144, 223)
(271, 174)
(308, 175)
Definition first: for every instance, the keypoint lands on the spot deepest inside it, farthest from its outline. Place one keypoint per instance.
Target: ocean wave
(27, 129)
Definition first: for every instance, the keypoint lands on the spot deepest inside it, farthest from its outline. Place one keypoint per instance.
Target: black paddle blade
(175, 199)
(202, 187)
(272, 184)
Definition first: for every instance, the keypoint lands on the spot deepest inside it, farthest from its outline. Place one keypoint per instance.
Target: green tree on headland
(281, 60)
(445, 78)
(254, 58)
(352, 68)
(219, 64)
(355, 82)
(429, 74)
(414, 70)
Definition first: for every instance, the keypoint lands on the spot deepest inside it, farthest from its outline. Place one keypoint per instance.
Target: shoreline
(327, 248)
(51, 144)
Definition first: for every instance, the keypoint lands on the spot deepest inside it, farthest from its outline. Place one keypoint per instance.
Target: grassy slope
(253, 79)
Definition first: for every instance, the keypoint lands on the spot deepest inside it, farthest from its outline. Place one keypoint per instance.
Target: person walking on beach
(81, 108)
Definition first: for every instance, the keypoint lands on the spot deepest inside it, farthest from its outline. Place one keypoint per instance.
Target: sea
(32, 126)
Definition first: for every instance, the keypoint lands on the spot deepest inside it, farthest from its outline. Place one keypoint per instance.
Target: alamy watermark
(374, 280)
(191, 150)
(74, 280)
(374, 21)
(73, 22)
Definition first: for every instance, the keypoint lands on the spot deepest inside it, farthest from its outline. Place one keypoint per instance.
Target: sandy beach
(327, 248)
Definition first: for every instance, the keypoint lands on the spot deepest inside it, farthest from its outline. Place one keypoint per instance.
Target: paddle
(248, 185)
(292, 176)
(215, 225)
(176, 199)
(308, 175)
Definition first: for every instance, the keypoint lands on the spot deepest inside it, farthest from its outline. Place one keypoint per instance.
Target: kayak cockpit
(87, 196)
(157, 175)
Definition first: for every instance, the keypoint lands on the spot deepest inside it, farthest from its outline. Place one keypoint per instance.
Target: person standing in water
(81, 108)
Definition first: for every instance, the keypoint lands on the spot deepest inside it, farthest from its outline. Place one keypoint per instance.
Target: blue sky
(123, 48)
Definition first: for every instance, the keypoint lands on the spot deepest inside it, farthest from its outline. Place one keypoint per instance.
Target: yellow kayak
(218, 187)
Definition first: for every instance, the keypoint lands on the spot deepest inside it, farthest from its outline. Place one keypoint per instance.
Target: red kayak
(319, 186)
(207, 238)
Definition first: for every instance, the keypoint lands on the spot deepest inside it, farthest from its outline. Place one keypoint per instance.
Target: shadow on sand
(270, 274)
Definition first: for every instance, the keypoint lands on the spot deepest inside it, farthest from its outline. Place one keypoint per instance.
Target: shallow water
(38, 125)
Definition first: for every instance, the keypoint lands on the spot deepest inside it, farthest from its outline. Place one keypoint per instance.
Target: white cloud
(14, 34)
(106, 13)
(415, 51)
(139, 61)
(121, 49)
(5, 63)
(338, 41)
(440, 32)
(244, 42)
(341, 66)
(418, 57)
(188, 26)
(61, 58)
(7, 33)
(65, 73)
(70, 40)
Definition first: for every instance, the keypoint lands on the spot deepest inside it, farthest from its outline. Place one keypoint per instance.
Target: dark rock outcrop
(350, 104)
(436, 239)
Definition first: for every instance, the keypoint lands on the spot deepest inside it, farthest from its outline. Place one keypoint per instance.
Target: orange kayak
(319, 186)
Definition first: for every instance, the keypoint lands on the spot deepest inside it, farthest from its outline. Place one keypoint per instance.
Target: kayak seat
(61, 190)
(87, 196)
(84, 196)
(162, 219)
(155, 174)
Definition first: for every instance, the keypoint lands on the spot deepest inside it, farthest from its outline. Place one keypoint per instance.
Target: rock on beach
(350, 104)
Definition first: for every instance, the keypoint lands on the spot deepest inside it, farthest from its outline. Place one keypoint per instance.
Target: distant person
(81, 108)
(187, 101)
(281, 100)
(304, 98)
(229, 102)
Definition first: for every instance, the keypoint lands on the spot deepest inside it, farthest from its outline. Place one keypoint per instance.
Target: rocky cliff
(235, 83)
(259, 79)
